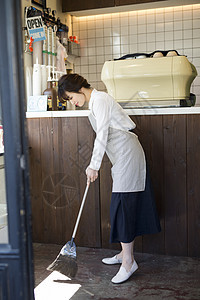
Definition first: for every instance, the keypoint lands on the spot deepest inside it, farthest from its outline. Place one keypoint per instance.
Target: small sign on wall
(35, 28)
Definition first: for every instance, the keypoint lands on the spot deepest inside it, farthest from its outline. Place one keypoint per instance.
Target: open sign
(35, 28)
(34, 23)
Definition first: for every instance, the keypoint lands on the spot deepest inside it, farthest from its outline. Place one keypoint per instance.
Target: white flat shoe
(112, 260)
(123, 275)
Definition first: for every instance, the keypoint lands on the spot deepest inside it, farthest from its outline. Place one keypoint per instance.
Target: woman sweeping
(132, 209)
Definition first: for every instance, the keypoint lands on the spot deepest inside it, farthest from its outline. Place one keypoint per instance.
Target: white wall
(109, 36)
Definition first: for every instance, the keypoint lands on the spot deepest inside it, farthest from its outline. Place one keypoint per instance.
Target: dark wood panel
(58, 178)
(66, 145)
(151, 136)
(60, 150)
(34, 140)
(68, 5)
(89, 229)
(193, 186)
(128, 2)
(64, 189)
(48, 192)
(175, 184)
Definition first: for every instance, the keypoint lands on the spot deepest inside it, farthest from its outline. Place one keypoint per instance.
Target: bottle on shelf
(52, 96)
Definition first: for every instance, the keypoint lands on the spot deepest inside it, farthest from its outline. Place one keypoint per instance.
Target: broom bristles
(64, 264)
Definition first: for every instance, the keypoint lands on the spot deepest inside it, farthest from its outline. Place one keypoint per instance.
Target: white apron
(127, 157)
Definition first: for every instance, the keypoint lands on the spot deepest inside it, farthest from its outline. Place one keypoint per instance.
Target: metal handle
(80, 210)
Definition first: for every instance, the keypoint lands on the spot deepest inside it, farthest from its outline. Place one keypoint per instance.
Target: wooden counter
(60, 151)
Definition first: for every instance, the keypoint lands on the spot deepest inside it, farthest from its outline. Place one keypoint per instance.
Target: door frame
(16, 257)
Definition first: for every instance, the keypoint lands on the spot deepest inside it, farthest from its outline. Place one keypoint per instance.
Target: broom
(65, 262)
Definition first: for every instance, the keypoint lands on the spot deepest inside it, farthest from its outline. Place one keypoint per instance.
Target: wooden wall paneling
(59, 155)
(193, 186)
(89, 228)
(33, 127)
(68, 156)
(152, 141)
(48, 192)
(58, 178)
(175, 184)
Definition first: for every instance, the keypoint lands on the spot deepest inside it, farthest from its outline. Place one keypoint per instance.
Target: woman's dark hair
(71, 83)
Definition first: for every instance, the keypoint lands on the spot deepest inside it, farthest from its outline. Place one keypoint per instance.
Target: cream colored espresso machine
(159, 79)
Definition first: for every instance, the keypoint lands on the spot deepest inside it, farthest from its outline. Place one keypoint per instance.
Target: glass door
(16, 258)
(3, 201)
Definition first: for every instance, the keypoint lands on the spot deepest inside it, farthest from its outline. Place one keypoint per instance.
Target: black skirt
(133, 214)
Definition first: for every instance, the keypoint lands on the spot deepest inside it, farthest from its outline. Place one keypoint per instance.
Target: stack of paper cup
(37, 85)
(44, 78)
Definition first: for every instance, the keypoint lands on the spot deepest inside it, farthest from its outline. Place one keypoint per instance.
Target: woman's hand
(91, 174)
